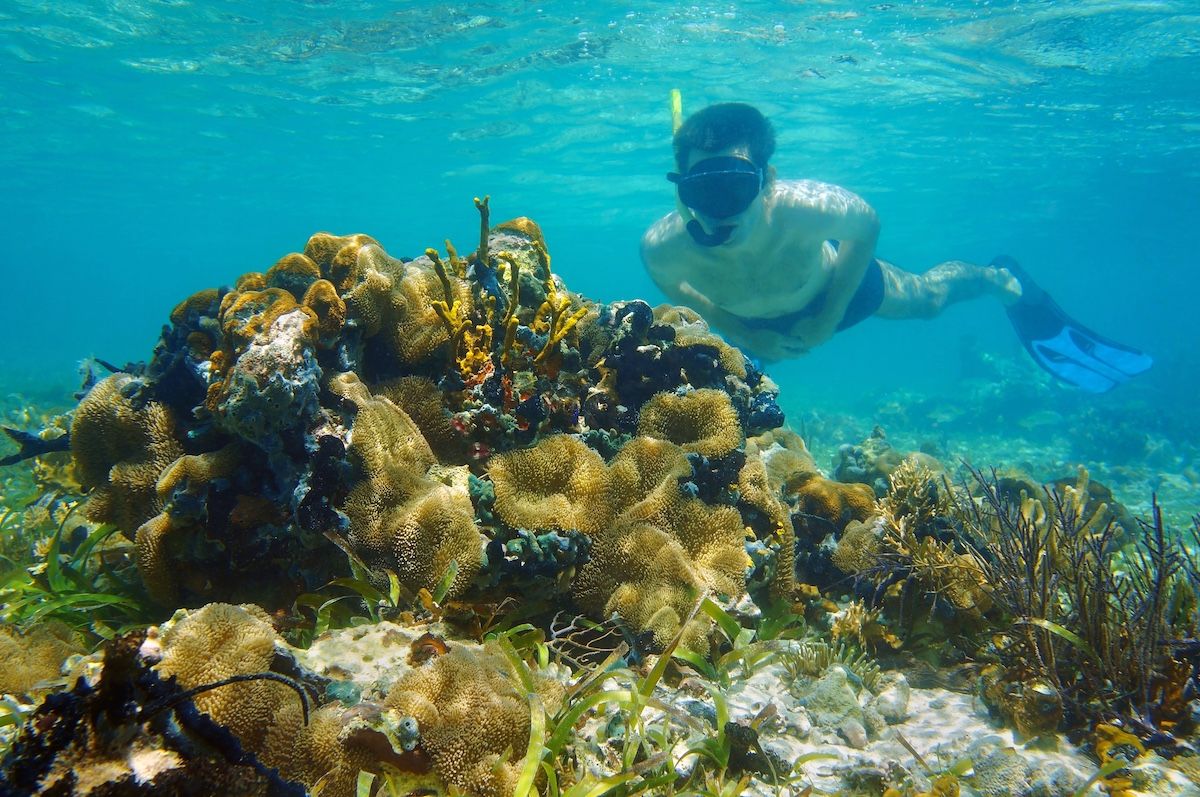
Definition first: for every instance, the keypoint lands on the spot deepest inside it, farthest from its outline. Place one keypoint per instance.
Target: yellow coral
(831, 501)
(473, 717)
(293, 273)
(329, 308)
(402, 518)
(754, 486)
(191, 474)
(340, 257)
(200, 303)
(247, 314)
(523, 225)
(424, 402)
(858, 548)
(651, 565)
(643, 465)
(700, 421)
(784, 454)
(692, 330)
(559, 483)
(34, 657)
(119, 451)
(219, 641)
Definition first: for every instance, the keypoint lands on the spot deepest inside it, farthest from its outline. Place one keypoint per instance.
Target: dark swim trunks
(863, 304)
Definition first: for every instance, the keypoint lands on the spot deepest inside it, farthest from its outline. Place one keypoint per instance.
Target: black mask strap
(720, 236)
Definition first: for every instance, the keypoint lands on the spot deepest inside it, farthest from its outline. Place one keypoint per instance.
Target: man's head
(722, 153)
(722, 126)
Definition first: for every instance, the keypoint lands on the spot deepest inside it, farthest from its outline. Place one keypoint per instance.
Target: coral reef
(460, 444)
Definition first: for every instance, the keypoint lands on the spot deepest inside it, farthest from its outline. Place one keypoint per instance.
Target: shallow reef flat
(439, 525)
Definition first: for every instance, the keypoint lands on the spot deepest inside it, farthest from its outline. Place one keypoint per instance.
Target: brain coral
(700, 421)
(401, 517)
(119, 450)
(473, 717)
(559, 483)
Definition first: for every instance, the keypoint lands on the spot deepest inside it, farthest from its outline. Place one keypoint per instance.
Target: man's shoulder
(804, 190)
(663, 236)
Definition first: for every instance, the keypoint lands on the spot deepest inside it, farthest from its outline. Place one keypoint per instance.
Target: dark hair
(724, 125)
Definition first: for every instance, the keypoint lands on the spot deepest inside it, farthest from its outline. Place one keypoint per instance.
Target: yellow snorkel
(695, 229)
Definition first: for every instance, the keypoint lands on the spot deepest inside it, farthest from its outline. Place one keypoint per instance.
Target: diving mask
(719, 187)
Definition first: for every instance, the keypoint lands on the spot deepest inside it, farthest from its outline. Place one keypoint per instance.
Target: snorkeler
(780, 266)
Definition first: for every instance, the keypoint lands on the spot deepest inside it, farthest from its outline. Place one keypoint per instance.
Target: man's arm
(832, 213)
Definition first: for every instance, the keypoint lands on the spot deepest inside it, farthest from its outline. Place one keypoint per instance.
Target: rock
(1001, 772)
(892, 702)
(854, 733)
(831, 699)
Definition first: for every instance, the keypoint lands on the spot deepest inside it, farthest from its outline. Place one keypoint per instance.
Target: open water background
(151, 149)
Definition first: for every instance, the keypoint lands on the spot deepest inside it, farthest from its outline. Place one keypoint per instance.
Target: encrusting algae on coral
(461, 446)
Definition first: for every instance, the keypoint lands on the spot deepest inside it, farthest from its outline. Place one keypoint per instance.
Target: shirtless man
(781, 266)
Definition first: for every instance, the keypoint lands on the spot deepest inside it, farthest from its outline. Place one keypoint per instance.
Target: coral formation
(35, 657)
(408, 514)
(473, 717)
(558, 484)
(120, 445)
(701, 421)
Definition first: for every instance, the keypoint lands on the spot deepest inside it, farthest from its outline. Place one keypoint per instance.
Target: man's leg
(908, 295)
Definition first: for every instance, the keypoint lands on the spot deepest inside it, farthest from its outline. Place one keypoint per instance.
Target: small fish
(31, 445)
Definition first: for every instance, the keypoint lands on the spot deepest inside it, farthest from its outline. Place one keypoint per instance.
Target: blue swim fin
(1064, 347)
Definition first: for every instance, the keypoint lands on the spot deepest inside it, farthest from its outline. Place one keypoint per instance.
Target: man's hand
(813, 331)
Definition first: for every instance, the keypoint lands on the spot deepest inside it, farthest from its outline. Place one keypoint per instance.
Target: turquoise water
(155, 148)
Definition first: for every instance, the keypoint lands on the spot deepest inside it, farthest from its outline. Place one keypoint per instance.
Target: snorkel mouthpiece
(704, 238)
